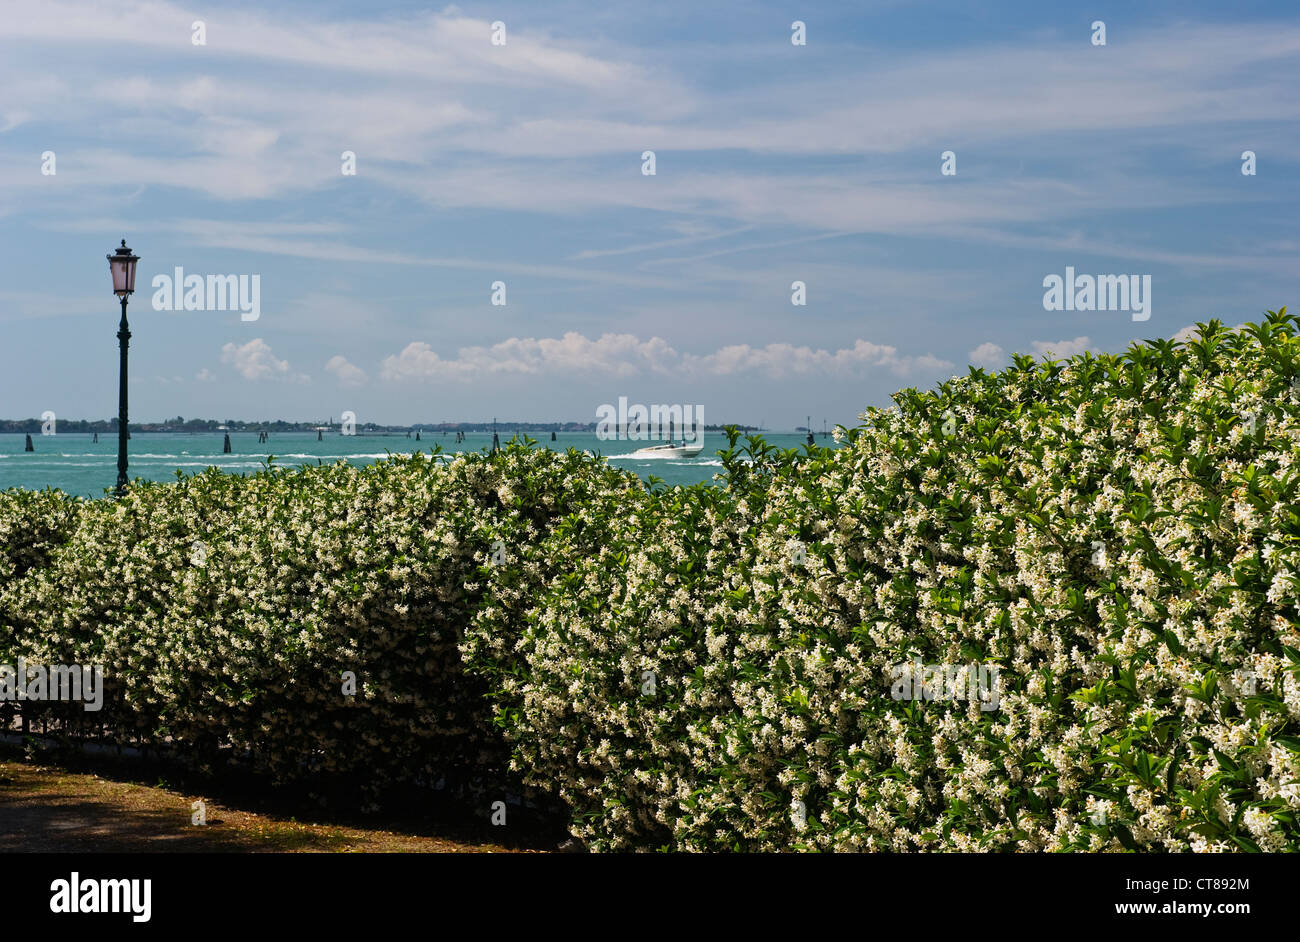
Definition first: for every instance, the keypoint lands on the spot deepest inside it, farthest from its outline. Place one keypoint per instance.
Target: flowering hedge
(225, 610)
(1117, 535)
(715, 667)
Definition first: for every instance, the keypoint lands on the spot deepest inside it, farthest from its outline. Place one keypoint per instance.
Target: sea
(76, 465)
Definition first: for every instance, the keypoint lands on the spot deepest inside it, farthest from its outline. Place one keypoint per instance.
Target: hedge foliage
(712, 667)
(226, 609)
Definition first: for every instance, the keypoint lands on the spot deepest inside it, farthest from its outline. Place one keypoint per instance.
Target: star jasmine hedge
(714, 667)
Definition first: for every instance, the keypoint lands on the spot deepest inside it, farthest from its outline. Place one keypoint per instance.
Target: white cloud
(346, 373)
(783, 359)
(1060, 349)
(610, 354)
(988, 355)
(205, 375)
(254, 360)
(628, 355)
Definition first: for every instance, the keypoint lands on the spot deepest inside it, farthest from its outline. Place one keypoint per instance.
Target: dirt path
(44, 808)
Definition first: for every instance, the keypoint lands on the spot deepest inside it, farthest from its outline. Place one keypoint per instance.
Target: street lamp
(122, 264)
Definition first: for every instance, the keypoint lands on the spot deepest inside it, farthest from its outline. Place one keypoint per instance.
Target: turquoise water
(74, 464)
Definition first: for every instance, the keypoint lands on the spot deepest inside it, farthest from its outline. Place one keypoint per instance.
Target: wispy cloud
(522, 163)
(663, 243)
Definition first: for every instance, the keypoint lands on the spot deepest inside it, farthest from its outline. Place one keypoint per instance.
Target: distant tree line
(182, 424)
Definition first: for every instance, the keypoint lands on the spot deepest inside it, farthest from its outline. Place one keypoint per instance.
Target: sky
(522, 163)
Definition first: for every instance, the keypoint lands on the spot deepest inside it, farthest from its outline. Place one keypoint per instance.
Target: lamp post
(122, 264)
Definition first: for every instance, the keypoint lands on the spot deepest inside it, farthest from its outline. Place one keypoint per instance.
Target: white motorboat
(669, 450)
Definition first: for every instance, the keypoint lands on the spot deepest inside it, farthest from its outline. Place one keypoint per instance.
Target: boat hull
(668, 451)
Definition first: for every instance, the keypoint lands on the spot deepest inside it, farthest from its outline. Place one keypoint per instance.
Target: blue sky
(522, 164)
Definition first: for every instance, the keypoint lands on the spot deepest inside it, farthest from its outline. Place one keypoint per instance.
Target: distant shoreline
(69, 426)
